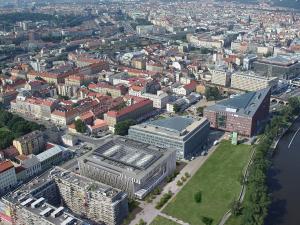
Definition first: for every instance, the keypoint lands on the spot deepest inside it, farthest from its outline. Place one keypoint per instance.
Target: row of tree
(13, 126)
(258, 200)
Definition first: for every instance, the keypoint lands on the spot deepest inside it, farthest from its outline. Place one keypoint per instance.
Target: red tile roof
(129, 109)
(4, 166)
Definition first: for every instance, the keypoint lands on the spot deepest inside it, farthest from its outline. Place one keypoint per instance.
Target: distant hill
(295, 4)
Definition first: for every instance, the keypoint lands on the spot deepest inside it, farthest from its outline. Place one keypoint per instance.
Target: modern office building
(243, 114)
(248, 81)
(283, 67)
(64, 198)
(131, 166)
(183, 134)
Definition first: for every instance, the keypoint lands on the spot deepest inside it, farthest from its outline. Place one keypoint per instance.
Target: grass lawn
(218, 180)
(3, 129)
(159, 220)
(234, 220)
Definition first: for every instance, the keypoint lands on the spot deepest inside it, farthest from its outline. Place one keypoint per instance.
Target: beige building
(220, 77)
(252, 82)
(32, 143)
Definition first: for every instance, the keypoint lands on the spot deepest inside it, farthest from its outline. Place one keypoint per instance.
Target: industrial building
(243, 114)
(64, 198)
(134, 167)
(183, 134)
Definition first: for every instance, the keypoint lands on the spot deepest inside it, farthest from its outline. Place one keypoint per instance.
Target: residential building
(64, 198)
(251, 82)
(135, 111)
(183, 134)
(8, 178)
(244, 114)
(220, 77)
(160, 99)
(32, 143)
(134, 167)
(53, 155)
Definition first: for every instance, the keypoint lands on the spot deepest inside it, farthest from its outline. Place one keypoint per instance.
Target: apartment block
(32, 143)
(252, 82)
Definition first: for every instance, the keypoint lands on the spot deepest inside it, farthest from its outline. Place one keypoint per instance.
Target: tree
(294, 104)
(200, 110)
(212, 93)
(207, 220)
(142, 222)
(80, 126)
(176, 108)
(122, 127)
(198, 197)
(236, 208)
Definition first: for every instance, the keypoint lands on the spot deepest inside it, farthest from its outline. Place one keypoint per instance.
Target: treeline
(21, 16)
(13, 126)
(257, 197)
(59, 20)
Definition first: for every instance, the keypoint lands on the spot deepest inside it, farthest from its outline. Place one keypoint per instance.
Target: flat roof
(178, 127)
(125, 156)
(176, 124)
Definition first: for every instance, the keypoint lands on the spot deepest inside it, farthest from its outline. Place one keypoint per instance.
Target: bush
(207, 220)
(179, 183)
(183, 179)
(156, 191)
(164, 199)
(187, 175)
(198, 197)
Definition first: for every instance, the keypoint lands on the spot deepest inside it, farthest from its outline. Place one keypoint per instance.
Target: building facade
(32, 143)
(182, 134)
(252, 82)
(244, 114)
(131, 166)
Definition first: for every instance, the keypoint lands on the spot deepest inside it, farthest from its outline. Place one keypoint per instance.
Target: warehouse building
(131, 166)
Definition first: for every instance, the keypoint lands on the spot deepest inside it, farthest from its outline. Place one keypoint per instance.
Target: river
(284, 180)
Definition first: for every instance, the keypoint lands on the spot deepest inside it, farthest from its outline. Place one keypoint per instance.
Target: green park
(212, 190)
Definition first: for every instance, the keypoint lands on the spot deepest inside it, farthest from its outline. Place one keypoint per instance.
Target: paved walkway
(173, 219)
(149, 211)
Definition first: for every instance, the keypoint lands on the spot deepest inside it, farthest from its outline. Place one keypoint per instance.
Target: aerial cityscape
(149, 112)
